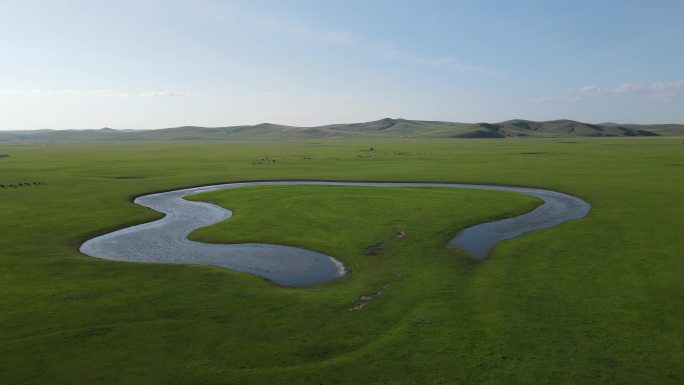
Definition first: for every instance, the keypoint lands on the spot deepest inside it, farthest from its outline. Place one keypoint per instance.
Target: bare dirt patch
(365, 299)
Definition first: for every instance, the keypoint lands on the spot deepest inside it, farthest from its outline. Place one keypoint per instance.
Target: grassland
(597, 300)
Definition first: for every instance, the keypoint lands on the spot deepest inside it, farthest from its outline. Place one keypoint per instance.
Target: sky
(147, 64)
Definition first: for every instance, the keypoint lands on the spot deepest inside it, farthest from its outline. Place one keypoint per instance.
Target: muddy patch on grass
(365, 299)
(377, 248)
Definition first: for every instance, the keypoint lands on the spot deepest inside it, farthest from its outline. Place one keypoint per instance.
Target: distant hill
(384, 128)
(567, 128)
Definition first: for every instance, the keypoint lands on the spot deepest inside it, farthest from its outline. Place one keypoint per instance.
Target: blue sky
(155, 64)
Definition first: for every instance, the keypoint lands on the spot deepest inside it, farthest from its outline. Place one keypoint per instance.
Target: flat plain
(594, 301)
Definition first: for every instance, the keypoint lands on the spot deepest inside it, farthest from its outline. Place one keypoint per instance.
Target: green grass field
(595, 301)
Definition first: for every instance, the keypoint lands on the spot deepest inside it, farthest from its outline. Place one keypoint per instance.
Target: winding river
(165, 240)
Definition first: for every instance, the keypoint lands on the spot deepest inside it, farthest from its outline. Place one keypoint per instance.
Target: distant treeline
(21, 184)
(4, 156)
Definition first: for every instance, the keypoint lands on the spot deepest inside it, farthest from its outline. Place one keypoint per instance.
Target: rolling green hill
(384, 128)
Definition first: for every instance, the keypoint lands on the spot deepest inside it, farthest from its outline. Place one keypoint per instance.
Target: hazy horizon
(317, 125)
(153, 65)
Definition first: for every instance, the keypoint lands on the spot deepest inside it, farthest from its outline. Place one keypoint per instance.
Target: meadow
(598, 300)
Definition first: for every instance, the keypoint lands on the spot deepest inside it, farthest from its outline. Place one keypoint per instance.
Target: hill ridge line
(382, 128)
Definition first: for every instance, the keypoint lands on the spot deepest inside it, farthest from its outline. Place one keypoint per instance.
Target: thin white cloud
(110, 92)
(549, 99)
(163, 94)
(299, 31)
(336, 37)
(661, 90)
(106, 92)
(273, 95)
(448, 63)
(302, 32)
(38, 91)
